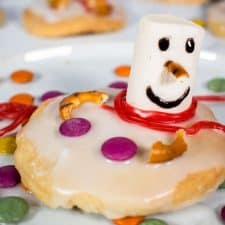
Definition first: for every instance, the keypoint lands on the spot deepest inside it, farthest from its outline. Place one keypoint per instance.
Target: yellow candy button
(7, 145)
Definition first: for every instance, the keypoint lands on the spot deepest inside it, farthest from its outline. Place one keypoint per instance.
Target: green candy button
(222, 186)
(216, 85)
(153, 221)
(12, 209)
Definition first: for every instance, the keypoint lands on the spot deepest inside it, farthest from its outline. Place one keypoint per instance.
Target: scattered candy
(222, 186)
(118, 85)
(123, 71)
(216, 85)
(223, 214)
(9, 176)
(50, 94)
(129, 220)
(22, 98)
(75, 127)
(153, 222)
(18, 113)
(22, 76)
(199, 22)
(7, 145)
(119, 149)
(13, 209)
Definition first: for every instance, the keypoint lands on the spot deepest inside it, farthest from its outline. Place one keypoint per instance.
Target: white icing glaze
(148, 63)
(41, 8)
(81, 168)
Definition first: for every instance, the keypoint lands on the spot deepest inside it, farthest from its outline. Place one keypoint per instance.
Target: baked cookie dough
(2, 17)
(42, 20)
(216, 19)
(151, 148)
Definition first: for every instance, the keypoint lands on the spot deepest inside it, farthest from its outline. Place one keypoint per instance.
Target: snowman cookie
(151, 148)
(216, 19)
(55, 18)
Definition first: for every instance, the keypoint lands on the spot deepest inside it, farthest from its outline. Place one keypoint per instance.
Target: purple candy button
(9, 176)
(223, 214)
(118, 85)
(75, 127)
(119, 149)
(50, 94)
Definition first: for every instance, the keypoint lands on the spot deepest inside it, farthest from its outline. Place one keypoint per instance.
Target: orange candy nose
(129, 220)
(22, 76)
(123, 71)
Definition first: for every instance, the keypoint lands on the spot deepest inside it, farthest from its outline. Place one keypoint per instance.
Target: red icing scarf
(164, 121)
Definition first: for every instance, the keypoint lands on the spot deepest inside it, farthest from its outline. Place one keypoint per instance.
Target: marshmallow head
(164, 65)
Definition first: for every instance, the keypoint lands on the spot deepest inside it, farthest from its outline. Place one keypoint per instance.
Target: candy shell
(22, 76)
(119, 149)
(9, 176)
(153, 221)
(223, 214)
(7, 145)
(122, 71)
(75, 127)
(222, 186)
(13, 209)
(118, 85)
(50, 94)
(22, 98)
(216, 85)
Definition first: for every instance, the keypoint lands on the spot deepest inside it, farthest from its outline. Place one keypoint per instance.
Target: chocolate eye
(190, 45)
(164, 44)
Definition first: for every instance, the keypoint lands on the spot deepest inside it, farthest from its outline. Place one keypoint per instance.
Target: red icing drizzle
(18, 113)
(164, 121)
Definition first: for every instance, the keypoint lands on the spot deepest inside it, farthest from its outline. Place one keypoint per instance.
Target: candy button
(118, 85)
(153, 222)
(22, 76)
(216, 85)
(9, 177)
(119, 149)
(13, 209)
(50, 94)
(75, 127)
(222, 186)
(7, 145)
(22, 98)
(122, 71)
(223, 214)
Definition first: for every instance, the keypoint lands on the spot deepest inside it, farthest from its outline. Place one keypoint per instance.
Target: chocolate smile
(163, 103)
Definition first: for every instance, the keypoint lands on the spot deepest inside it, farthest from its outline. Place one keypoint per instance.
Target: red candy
(18, 113)
(119, 149)
(164, 121)
(75, 127)
(9, 177)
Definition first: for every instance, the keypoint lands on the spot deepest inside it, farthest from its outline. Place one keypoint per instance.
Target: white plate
(88, 67)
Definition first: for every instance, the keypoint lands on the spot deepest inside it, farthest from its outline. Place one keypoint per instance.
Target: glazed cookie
(183, 1)
(55, 18)
(151, 148)
(216, 19)
(2, 17)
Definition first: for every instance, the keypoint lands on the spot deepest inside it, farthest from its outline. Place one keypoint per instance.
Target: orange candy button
(129, 220)
(22, 76)
(22, 98)
(123, 71)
